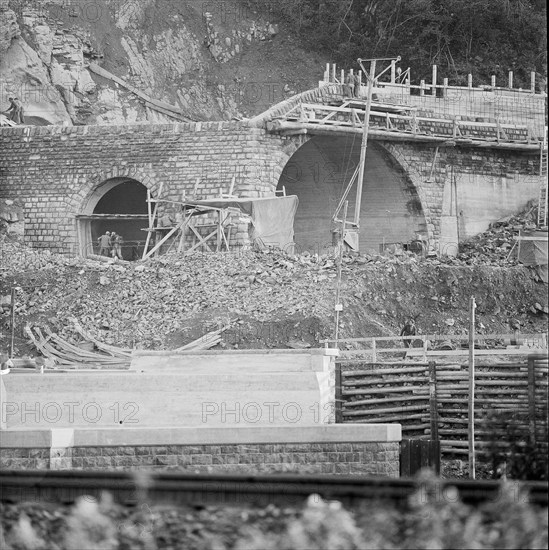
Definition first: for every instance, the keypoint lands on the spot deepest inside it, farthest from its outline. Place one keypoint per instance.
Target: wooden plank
(386, 400)
(387, 390)
(382, 381)
(378, 412)
(415, 456)
(396, 418)
(338, 395)
(153, 103)
(376, 372)
(445, 375)
(164, 239)
(152, 217)
(532, 400)
(441, 337)
(405, 458)
(433, 400)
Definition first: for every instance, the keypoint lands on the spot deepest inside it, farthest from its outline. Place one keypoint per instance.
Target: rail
(516, 344)
(196, 489)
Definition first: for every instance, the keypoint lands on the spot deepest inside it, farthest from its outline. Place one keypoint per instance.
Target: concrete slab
(252, 361)
(97, 437)
(71, 400)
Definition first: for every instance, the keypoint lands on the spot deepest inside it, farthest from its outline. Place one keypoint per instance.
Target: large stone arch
(318, 173)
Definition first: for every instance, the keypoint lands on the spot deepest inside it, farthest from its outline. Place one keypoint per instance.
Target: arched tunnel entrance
(117, 205)
(318, 174)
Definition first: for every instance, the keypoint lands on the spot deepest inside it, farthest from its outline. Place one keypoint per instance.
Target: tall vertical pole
(339, 266)
(471, 411)
(12, 321)
(364, 144)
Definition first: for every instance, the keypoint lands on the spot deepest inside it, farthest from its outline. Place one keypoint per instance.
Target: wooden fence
(430, 400)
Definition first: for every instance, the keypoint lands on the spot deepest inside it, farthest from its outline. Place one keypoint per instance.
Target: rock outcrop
(188, 55)
(9, 29)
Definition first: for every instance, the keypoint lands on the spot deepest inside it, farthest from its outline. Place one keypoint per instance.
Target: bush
(484, 37)
(513, 451)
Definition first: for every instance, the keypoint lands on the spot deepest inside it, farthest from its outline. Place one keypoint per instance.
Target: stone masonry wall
(55, 169)
(311, 458)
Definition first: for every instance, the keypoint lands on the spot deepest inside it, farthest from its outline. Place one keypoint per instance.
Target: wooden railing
(515, 344)
(407, 121)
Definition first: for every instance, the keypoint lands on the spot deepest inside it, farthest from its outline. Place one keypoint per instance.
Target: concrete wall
(170, 399)
(235, 388)
(488, 184)
(369, 449)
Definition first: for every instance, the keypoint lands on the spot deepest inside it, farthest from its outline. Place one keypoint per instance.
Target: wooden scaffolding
(190, 222)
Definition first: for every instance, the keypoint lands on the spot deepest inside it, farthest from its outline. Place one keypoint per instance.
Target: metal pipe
(12, 321)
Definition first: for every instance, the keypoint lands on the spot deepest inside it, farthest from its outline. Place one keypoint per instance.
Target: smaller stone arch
(118, 204)
(79, 200)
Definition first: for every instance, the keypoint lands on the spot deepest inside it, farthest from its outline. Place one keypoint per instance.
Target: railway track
(174, 488)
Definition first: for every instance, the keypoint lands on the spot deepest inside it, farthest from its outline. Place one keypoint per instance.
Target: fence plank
(429, 402)
(433, 400)
(532, 399)
(338, 395)
(405, 458)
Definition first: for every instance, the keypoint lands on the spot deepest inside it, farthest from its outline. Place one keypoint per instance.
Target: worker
(356, 87)
(409, 329)
(117, 242)
(5, 363)
(11, 112)
(349, 90)
(20, 111)
(105, 244)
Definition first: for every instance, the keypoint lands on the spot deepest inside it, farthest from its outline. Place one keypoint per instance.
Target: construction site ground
(270, 300)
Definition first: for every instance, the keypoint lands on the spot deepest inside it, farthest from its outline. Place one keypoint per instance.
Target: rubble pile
(494, 246)
(170, 300)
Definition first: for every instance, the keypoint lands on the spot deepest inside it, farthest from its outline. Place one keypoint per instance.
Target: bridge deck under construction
(340, 115)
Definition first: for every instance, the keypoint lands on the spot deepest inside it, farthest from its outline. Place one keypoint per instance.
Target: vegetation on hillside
(482, 37)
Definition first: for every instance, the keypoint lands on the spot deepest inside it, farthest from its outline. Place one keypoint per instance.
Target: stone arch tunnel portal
(318, 173)
(119, 205)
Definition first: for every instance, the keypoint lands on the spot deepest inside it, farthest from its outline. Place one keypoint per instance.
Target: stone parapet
(370, 449)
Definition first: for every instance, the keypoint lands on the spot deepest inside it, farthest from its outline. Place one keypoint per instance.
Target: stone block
(201, 459)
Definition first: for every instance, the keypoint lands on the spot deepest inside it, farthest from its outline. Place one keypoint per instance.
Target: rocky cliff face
(8, 26)
(209, 61)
